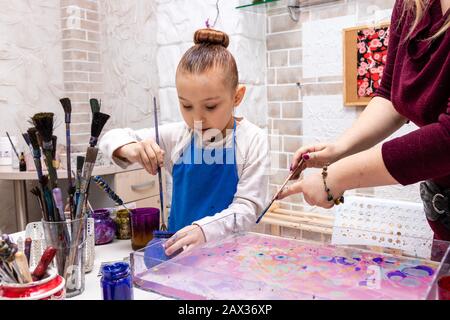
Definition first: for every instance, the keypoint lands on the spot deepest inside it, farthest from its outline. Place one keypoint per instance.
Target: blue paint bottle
(154, 251)
(116, 282)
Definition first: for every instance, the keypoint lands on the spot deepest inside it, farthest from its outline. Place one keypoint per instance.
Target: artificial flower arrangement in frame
(365, 54)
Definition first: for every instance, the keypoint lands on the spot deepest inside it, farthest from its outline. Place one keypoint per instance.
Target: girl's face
(207, 101)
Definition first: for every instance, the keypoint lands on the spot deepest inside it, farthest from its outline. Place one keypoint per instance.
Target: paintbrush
(296, 171)
(21, 263)
(32, 136)
(27, 249)
(57, 197)
(67, 106)
(80, 163)
(89, 163)
(161, 190)
(99, 120)
(54, 145)
(38, 195)
(44, 125)
(12, 145)
(103, 185)
(48, 199)
(95, 106)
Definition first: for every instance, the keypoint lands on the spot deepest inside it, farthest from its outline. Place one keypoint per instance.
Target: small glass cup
(105, 227)
(69, 239)
(444, 288)
(143, 222)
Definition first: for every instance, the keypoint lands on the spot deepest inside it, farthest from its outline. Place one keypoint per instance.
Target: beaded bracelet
(327, 190)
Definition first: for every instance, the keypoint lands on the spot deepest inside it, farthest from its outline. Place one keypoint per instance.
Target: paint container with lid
(116, 281)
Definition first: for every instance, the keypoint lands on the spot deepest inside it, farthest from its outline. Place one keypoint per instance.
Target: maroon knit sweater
(416, 80)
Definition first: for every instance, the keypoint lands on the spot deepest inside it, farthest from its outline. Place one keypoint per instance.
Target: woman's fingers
(290, 190)
(145, 161)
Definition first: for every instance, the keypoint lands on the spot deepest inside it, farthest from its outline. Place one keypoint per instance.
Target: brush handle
(69, 165)
(161, 190)
(84, 184)
(292, 174)
(22, 266)
(12, 145)
(45, 261)
(53, 176)
(27, 249)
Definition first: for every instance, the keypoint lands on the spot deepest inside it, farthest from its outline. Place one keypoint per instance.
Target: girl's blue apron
(202, 188)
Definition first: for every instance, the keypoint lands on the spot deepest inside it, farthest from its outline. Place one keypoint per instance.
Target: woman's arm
(377, 122)
(364, 169)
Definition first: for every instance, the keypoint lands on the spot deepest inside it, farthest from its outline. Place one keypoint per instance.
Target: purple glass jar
(143, 222)
(104, 225)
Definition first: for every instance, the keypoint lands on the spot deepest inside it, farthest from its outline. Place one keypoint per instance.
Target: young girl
(218, 163)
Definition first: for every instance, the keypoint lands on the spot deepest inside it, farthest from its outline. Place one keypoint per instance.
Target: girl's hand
(316, 156)
(146, 152)
(187, 238)
(313, 189)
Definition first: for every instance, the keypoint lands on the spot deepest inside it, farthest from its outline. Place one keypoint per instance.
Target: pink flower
(361, 71)
(375, 43)
(361, 92)
(381, 32)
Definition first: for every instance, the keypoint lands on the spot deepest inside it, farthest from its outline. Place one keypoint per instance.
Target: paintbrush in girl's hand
(12, 145)
(296, 171)
(67, 106)
(161, 190)
(44, 125)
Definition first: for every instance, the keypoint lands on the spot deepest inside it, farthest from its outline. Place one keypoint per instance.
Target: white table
(114, 251)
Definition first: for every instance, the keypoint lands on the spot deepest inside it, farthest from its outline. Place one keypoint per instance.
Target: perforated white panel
(385, 223)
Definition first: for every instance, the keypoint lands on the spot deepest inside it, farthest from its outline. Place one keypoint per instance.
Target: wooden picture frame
(350, 64)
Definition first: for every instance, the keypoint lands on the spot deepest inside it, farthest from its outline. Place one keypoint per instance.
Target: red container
(444, 288)
(52, 287)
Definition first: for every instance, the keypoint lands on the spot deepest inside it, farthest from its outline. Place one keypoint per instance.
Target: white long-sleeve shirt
(252, 159)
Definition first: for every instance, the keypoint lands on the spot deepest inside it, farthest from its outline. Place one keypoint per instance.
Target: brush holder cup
(51, 287)
(143, 222)
(69, 239)
(35, 231)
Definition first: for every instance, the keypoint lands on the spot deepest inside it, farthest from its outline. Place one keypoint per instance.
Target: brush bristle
(91, 155)
(80, 163)
(36, 191)
(44, 124)
(54, 143)
(98, 122)
(44, 180)
(32, 134)
(95, 106)
(67, 106)
(26, 137)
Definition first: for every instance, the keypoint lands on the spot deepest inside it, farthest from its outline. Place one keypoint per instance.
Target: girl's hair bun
(211, 37)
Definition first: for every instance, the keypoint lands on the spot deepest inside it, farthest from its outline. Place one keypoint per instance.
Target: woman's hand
(187, 238)
(313, 189)
(146, 152)
(317, 155)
